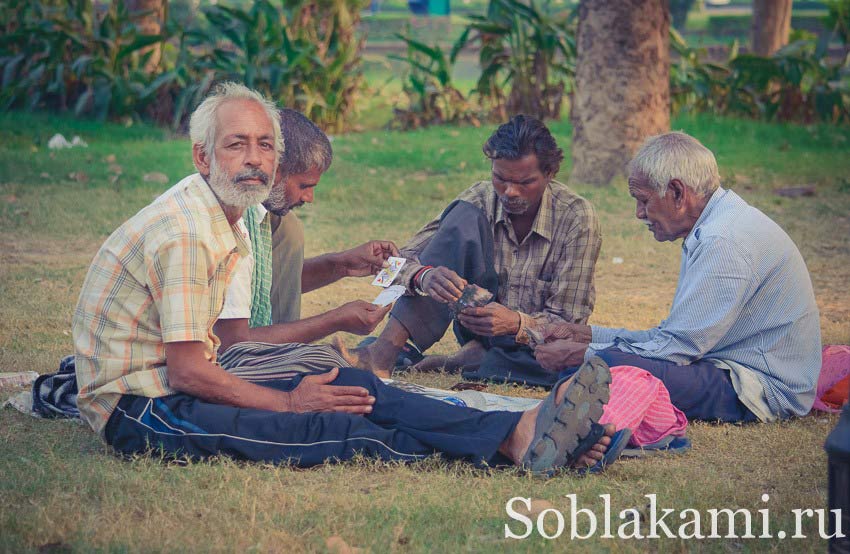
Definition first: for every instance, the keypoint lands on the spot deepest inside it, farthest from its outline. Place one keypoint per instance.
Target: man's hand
(366, 259)
(569, 331)
(492, 320)
(443, 285)
(560, 354)
(360, 317)
(316, 394)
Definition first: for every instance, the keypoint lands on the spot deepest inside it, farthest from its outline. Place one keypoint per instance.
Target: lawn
(61, 490)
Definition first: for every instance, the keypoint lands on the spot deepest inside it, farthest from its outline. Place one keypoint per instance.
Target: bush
(798, 83)
(66, 55)
(432, 98)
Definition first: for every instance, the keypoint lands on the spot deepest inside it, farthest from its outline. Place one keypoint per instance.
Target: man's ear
(679, 191)
(201, 160)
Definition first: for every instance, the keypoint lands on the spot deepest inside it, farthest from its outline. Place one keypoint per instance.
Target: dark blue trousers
(464, 244)
(402, 426)
(701, 390)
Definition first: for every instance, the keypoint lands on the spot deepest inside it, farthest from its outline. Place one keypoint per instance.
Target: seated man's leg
(505, 361)
(701, 390)
(287, 264)
(184, 426)
(403, 426)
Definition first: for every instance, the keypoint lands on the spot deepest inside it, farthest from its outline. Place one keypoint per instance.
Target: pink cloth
(835, 367)
(640, 401)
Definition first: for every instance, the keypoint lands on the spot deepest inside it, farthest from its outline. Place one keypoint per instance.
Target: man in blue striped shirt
(742, 341)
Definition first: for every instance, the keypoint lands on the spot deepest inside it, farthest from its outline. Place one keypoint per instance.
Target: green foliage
(432, 98)
(301, 53)
(530, 49)
(839, 18)
(65, 55)
(798, 83)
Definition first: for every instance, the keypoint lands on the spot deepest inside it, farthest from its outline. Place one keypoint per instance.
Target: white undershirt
(237, 297)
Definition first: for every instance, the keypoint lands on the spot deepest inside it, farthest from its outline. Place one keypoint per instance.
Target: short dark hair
(305, 146)
(521, 136)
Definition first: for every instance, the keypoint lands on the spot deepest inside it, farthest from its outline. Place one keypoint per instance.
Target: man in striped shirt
(146, 350)
(742, 341)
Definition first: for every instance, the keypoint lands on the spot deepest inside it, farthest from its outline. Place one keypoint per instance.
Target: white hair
(676, 155)
(204, 121)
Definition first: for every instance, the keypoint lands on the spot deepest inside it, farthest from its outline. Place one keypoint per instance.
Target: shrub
(66, 55)
(432, 98)
(797, 83)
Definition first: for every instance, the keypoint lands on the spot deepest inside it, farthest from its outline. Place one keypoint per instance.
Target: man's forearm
(209, 382)
(304, 330)
(320, 271)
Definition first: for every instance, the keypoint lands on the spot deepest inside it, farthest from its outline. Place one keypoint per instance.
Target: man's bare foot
(361, 358)
(380, 356)
(468, 357)
(547, 436)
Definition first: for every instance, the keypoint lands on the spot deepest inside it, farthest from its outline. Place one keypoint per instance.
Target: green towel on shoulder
(260, 230)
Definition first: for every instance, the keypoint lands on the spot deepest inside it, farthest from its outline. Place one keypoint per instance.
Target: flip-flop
(618, 443)
(667, 445)
(408, 355)
(565, 430)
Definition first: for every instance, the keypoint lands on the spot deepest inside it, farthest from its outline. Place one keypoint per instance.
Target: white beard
(234, 194)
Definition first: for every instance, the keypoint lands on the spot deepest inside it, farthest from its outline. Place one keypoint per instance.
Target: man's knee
(353, 377)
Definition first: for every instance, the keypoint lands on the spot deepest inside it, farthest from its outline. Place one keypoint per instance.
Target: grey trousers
(464, 243)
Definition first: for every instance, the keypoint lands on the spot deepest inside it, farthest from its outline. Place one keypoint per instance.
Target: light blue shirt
(744, 296)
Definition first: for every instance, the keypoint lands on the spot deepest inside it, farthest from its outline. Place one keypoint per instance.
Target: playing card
(385, 277)
(388, 295)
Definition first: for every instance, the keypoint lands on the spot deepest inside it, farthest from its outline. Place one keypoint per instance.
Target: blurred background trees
(618, 68)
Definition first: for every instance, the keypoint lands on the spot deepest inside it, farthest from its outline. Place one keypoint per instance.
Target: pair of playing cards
(385, 279)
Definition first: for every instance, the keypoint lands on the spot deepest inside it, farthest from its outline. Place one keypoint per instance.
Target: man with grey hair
(263, 300)
(742, 341)
(146, 352)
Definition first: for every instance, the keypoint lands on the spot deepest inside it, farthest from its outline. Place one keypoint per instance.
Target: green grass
(61, 490)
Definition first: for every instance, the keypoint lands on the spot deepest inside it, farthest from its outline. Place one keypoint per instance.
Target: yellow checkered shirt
(159, 278)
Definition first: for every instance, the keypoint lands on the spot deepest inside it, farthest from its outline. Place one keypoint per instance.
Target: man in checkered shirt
(525, 237)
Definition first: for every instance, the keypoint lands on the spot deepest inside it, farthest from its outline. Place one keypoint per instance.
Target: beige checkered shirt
(548, 277)
(158, 278)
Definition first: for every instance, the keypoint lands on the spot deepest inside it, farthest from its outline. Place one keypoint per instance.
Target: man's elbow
(182, 379)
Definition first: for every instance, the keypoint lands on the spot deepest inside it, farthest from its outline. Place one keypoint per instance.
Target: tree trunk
(151, 24)
(771, 26)
(622, 85)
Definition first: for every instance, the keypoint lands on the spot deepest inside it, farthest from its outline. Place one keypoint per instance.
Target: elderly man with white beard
(146, 350)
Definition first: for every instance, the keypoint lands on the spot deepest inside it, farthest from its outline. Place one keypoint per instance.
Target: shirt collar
(542, 221)
(229, 235)
(703, 218)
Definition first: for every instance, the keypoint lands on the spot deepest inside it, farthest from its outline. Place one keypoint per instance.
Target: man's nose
(253, 156)
(640, 212)
(307, 196)
(512, 191)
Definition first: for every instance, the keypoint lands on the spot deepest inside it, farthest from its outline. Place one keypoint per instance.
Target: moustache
(250, 174)
(514, 204)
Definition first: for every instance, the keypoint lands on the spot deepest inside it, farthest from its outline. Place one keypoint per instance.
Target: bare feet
(361, 358)
(380, 356)
(469, 356)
